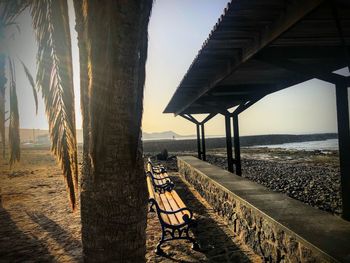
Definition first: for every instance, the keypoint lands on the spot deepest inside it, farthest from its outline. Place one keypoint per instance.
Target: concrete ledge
(276, 226)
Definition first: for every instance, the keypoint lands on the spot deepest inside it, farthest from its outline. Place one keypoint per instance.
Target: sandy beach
(36, 224)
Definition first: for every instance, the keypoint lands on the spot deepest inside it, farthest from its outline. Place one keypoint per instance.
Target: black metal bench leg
(159, 251)
(151, 209)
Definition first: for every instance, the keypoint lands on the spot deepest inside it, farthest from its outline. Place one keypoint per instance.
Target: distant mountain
(42, 136)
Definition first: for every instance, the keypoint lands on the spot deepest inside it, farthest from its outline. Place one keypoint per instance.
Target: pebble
(316, 185)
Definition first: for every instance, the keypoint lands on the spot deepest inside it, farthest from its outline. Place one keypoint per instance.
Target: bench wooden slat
(155, 196)
(180, 203)
(150, 187)
(166, 218)
(149, 167)
(159, 182)
(178, 200)
(175, 206)
(167, 207)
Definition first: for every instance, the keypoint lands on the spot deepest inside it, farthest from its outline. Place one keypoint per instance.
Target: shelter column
(237, 145)
(198, 141)
(344, 145)
(204, 157)
(229, 143)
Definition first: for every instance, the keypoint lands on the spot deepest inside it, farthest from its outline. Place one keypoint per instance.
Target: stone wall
(273, 241)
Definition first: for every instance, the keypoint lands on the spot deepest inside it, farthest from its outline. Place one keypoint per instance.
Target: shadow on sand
(70, 245)
(17, 246)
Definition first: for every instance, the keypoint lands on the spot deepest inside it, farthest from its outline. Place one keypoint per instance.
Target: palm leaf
(3, 81)
(14, 139)
(31, 81)
(55, 80)
(10, 9)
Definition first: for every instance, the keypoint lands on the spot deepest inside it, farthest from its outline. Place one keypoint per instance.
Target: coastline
(189, 145)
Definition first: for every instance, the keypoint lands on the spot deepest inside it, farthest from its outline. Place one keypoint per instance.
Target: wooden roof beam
(301, 52)
(246, 105)
(294, 12)
(305, 70)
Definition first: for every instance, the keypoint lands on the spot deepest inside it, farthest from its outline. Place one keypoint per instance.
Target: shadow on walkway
(217, 242)
(71, 246)
(17, 246)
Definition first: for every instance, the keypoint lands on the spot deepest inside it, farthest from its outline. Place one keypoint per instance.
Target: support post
(344, 146)
(198, 141)
(237, 145)
(204, 157)
(229, 143)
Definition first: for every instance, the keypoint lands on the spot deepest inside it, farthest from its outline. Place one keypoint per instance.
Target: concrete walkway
(315, 233)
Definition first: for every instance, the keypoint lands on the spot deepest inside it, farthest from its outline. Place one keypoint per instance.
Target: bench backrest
(168, 201)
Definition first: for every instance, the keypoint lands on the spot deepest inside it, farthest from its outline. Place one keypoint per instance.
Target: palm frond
(10, 9)
(14, 139)
(55, 80)
(31, 81)
(3, 81)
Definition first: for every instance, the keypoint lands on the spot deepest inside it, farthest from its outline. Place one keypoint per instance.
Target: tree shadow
(215, 243)
(17, 246)
(71, 246)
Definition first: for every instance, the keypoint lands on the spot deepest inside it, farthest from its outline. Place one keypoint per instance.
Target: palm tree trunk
(113, 50)
(3, 81)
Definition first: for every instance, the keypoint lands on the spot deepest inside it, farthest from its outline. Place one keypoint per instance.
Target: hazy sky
(176, 32)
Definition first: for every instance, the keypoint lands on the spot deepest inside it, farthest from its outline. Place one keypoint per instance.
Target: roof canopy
(259, 47)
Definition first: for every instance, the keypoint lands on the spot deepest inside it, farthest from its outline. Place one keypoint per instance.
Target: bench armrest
(185, 217)
(168, 186)
(166, 177)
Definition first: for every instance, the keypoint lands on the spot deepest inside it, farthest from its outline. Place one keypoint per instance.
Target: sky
(177, 31)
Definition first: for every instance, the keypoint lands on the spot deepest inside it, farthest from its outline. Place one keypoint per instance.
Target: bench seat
(175, 218)
(169, 201)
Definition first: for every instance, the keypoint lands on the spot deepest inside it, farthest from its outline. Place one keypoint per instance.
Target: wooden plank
(150, 187)
(179, 201)
(174, 205)
(155, 196)
(167, 207)
(165, 217)
(149, 167)
(159, 176)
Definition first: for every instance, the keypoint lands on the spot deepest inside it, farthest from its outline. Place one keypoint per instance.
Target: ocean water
(331, 144)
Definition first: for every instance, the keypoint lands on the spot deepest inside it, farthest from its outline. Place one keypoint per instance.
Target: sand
(36, 224)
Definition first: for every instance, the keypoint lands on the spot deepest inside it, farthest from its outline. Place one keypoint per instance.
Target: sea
(324, 145)
(330, 144)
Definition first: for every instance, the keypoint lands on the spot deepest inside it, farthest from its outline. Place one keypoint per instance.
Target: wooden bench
(160, 179)
(175, 218)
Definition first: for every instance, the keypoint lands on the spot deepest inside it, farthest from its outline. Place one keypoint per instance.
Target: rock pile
(316, 185)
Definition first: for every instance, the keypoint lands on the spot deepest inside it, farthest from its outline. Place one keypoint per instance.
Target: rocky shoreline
(312, 177)
(315, 184)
